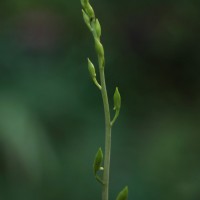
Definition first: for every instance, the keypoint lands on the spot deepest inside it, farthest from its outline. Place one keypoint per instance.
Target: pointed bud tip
(89, 10)
(84, 2)
(126, 189)
(117, 89)
(100, 151)
(123, 195)
(89, 60)
(83, 11)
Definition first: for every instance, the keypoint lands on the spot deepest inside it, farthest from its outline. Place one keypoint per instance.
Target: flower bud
(84, 3)
(89, 10)
(117, 99)
(97, 161)
(91, 69)
(99, 48)
(123, 195)
(98, 28)
(86, 19)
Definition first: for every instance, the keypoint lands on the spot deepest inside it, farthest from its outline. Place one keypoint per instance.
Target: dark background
(51, 115)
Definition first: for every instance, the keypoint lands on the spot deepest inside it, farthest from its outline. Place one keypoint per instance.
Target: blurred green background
(51, 115)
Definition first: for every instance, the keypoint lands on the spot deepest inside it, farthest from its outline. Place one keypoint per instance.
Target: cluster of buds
(95, 28)
(88, 8)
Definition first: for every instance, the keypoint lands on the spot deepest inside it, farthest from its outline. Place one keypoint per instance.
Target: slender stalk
(105, 189)
(108, 127)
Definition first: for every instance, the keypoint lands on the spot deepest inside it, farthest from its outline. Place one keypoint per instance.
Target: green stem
(105, 189)
(97, 84)
(108, 127)
(115, 117)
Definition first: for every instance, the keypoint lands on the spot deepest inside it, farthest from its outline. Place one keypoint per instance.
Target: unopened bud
(86, 19)
(98, 28)
(89, 10)
(91, 69)
(99, 48)
(117, 99)
(97, 161)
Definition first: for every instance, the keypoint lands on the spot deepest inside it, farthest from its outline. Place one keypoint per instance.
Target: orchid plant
(99, 164)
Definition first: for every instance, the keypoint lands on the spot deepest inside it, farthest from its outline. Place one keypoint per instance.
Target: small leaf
(123, 195)
(117, 99)
(97, 161)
